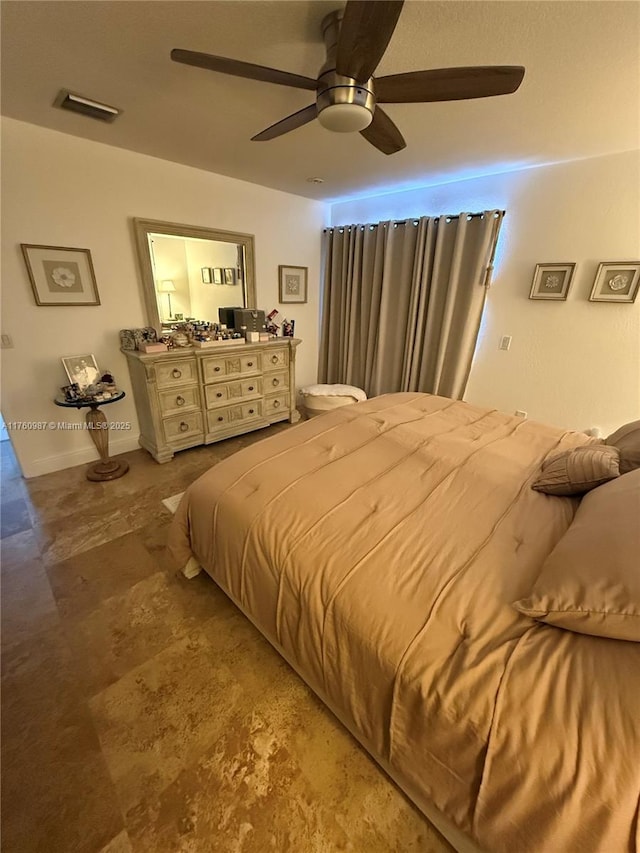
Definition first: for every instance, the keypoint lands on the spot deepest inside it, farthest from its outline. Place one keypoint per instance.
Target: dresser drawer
(276, 358)
(182, 426)
(181, 372)
(227, 392)
(276, 405)
(179, 400)
(230, 415)
(276, 382)
(221, 367)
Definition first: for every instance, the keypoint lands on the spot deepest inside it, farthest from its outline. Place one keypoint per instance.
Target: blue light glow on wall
(429, 180)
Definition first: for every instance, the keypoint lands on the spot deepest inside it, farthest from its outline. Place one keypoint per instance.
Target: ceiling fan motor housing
(344, 104)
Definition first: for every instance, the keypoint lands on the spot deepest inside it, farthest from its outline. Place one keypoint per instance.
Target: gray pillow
(576, 471)
(627, 440)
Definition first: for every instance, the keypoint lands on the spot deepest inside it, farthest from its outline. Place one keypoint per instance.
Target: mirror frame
(144, 227)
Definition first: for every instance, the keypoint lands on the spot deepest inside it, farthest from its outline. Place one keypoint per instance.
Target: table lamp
(168, 287)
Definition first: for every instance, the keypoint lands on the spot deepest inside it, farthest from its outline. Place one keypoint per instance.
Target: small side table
(106, 468)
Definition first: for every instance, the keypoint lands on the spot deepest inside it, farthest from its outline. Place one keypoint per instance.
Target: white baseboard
(61, 461)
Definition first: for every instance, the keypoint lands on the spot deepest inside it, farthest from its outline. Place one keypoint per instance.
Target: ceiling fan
(347, 94)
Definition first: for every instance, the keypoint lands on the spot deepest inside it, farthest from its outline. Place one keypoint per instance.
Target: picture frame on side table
(552, 281)
(293, 283)
(82, 370)
(616, 281)
(60, 275)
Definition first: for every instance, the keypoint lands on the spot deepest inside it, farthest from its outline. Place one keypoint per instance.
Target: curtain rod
(448, 217)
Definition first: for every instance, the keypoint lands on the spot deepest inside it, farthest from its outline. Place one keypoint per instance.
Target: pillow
(576, 471)
(627, 440)
(590, 582)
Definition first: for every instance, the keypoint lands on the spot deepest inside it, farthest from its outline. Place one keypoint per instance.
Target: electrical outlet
(520, 414)
(505, 342)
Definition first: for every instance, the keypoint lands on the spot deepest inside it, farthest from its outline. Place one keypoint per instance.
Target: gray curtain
(403, 302)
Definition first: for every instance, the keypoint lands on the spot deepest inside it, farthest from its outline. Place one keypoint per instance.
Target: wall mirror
(189, 272)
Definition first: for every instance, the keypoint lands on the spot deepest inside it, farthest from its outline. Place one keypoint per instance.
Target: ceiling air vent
(79, 104)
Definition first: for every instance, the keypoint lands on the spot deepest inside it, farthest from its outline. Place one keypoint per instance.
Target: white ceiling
(580, 96)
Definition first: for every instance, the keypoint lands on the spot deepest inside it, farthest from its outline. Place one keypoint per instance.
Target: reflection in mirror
(190, 272)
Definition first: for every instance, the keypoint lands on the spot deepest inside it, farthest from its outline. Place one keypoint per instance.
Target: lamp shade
(166, 286)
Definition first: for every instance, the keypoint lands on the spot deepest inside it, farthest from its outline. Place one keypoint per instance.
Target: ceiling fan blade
(383, 134)
(242, 69)
(449, 84)
(365, 31)
(289, 123)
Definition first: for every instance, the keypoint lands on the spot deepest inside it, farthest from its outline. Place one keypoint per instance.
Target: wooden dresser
(191, 396)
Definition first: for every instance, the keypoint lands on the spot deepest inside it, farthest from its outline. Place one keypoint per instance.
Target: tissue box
(252, 337)
(155, 346)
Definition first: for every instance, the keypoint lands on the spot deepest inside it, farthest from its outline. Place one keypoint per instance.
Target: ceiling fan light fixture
(345, 118)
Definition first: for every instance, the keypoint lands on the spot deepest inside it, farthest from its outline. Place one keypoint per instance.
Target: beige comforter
(380, 547)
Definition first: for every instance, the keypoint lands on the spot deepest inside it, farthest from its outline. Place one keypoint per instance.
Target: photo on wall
(552, 281)
(61, 276)
(616, 281)
(293, 283)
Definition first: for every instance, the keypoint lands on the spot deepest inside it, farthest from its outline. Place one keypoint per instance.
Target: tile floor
(142, 712)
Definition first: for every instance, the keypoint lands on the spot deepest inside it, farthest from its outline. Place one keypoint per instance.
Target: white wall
(60, 190)
(575, 363)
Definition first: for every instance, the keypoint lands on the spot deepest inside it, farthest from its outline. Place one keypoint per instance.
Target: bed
(380, 549)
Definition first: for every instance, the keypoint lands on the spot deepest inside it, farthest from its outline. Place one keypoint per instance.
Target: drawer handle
(275, 381)
(219, 394)
(251, 411)
(176, 373)
(184, 427)
(220, 418)
(217, 368)
(249, 364)
(250, 387)
(274, 359)
(180, 401)
(276, 404)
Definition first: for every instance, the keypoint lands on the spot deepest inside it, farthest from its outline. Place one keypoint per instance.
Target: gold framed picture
(293, 283)
(616, 281)
(551, 281)
(61, 276)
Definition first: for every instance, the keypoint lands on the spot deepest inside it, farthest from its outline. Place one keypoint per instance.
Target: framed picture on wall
(551, 281)
(616, 281)
(217, 275)
(206, 275)
(293, 283)
(229, 275)
(61, 276)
